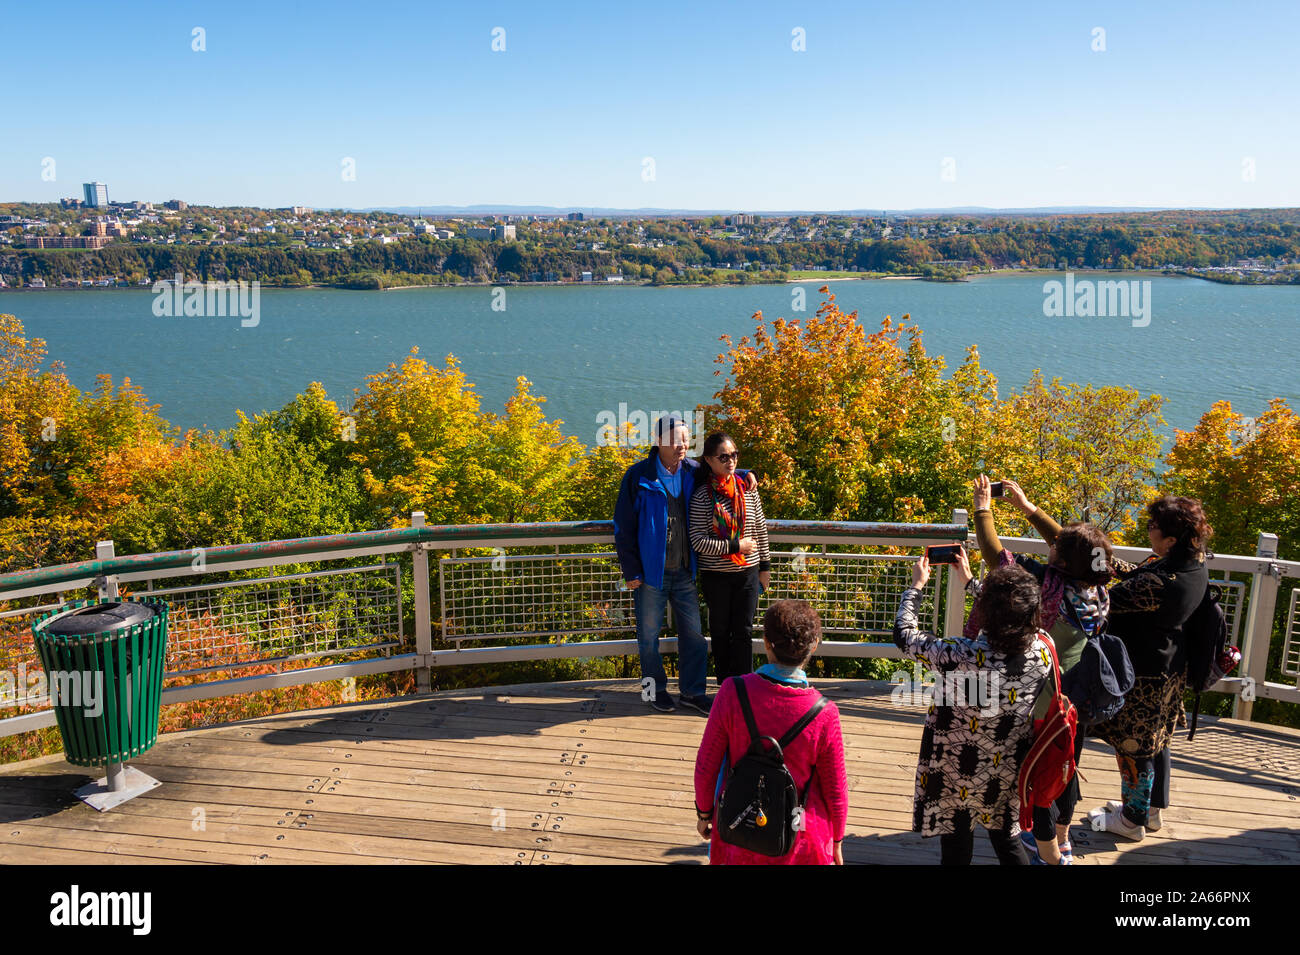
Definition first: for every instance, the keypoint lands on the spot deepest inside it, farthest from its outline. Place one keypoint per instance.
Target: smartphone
(995, 488)
(943, 553)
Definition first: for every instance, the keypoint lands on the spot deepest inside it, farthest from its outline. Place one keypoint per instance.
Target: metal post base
(100, 795)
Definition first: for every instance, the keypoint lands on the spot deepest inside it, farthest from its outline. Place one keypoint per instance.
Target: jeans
(692, 652)
(732, 598)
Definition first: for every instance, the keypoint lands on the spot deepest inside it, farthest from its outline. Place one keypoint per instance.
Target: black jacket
(1148, 608)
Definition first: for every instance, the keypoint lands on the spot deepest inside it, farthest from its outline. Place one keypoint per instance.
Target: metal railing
(373, 602)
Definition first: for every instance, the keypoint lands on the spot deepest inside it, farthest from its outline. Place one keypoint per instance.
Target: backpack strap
(803, 721)
(745, 708)
(800, 725)
(1056, 665)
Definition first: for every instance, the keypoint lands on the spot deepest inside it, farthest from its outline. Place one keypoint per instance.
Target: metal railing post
(107, 586)
(423, 609)
(954, 604)
(1259, 625)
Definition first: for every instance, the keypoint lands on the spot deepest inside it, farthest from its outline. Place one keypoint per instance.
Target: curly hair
(793, 630)
(1183, 519)
(1010, 598)
(1078, 547)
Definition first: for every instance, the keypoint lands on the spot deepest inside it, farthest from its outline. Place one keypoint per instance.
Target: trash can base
(97, 795)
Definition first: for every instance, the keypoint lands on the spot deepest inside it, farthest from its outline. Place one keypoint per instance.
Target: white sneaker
(1111, 820)
(1154, 822)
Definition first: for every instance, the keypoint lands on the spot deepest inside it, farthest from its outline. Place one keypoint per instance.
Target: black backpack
(1209, 658)
(761, 810)
(1098, 682)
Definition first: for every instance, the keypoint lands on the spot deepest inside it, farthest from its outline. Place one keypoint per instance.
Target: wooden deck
(573, 773)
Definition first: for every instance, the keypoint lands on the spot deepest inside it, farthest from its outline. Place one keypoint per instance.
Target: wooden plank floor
(573, 773)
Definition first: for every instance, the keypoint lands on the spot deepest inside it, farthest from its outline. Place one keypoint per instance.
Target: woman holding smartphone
(1074, 608)
(729, 533)
(971, 749)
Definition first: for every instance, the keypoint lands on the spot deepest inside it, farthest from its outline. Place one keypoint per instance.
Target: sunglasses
(727, 458)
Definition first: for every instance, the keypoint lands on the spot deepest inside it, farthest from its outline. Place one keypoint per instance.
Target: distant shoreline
(992, 273)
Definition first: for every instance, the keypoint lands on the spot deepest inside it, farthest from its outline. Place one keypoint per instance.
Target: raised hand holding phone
(921, 572)
(1018, 498)
(961, 567)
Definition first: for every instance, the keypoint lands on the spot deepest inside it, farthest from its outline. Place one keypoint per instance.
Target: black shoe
(702, 703)
(663, 702)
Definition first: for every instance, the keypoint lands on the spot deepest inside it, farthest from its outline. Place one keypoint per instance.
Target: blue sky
(1013, 94)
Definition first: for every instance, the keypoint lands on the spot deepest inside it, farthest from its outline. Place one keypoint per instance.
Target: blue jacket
(641, 519)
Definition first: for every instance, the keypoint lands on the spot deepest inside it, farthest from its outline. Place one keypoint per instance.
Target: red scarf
(729, 525)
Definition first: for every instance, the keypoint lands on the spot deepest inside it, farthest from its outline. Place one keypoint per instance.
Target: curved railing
(373, 602)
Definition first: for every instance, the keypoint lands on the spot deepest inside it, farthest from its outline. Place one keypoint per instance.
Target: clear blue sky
(732, 116)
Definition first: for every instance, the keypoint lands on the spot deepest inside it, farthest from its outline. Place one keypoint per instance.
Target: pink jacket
(776, 708)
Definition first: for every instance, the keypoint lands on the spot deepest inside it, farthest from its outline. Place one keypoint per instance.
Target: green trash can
(104, 662)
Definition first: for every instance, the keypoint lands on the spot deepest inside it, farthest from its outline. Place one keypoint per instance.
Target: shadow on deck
(573, 773)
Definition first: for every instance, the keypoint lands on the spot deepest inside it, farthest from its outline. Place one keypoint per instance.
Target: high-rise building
(96, 194)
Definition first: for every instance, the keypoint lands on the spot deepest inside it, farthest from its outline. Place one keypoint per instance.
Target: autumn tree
(69, 461)
(1078, 449)
(818, 407)
(1246, 473)
(423, 444)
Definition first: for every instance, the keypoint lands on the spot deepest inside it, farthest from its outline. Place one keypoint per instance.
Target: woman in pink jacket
(779, 693)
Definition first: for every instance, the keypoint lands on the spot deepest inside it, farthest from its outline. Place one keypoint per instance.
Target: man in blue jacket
(654, 551)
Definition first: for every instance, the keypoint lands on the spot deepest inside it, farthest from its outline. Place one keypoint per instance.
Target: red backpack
(1049, 765)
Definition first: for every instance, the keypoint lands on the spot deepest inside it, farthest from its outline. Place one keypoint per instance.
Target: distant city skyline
(678, 107)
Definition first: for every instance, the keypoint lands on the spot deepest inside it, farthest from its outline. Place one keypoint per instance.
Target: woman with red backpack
(1075, 606)
(971, 750)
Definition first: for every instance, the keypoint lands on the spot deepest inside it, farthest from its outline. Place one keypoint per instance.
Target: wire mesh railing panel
(854, 594)
(533, 595)
(1291, 637)
(23, 687)
(580, 594)
(240, 623)
(1232, 598)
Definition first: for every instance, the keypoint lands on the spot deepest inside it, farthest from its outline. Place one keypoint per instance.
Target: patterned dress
(973, 742)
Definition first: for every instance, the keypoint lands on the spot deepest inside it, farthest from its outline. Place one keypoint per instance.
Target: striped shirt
(711, 548)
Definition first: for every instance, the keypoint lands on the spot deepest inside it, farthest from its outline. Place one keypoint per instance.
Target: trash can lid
(100, 618)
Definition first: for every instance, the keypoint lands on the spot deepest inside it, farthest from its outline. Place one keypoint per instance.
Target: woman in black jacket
(1148, 607)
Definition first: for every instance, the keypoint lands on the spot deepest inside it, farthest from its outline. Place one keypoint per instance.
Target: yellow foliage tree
(1246, 472)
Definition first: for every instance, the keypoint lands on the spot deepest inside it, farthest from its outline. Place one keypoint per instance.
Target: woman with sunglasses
(729, 533)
